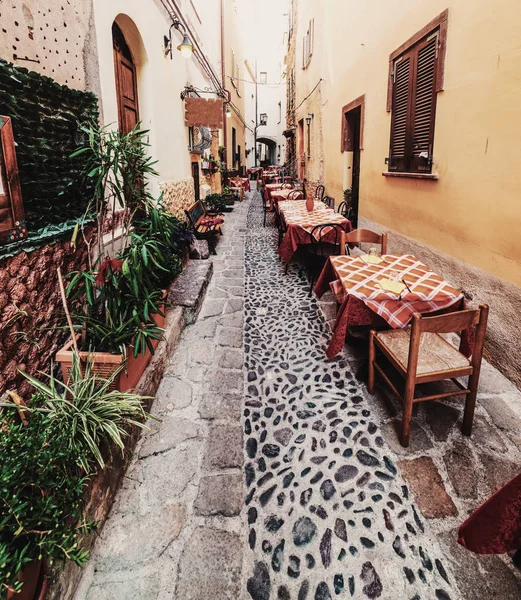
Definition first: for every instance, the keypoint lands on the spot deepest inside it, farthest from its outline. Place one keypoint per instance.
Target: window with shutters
(12, 219)
(416, 76)
(307, 44)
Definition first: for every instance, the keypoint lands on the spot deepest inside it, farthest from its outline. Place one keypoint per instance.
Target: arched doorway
(126, 82)
(266, 151)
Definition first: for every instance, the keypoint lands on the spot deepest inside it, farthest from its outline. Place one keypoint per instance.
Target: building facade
(416, 108)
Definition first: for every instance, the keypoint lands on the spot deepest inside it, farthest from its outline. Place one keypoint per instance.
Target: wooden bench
(196, 214)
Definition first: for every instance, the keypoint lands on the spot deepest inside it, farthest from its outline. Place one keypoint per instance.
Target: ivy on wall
(46, 118)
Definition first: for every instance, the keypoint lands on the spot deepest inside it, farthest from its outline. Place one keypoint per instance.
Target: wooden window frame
(410, 49)
(308, 42)
(344, 142)
(11, 179)
(440, 22)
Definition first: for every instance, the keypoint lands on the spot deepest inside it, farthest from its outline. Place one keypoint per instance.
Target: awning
(289, 132)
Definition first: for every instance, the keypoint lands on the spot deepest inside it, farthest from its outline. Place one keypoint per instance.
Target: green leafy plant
(86, 414)
(215, 202)
(41, 497)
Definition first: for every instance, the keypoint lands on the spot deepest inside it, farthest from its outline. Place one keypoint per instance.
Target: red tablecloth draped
(495, 527)
(354, 312)
(240, 182)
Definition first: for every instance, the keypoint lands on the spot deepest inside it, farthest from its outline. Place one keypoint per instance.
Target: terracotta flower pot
(31, 579)
(105, 363)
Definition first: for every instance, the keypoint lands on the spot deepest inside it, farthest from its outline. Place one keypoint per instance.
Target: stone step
(189, 289)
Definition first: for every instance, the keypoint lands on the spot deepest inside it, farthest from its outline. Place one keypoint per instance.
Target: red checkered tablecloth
(300, 223)
(353, 281)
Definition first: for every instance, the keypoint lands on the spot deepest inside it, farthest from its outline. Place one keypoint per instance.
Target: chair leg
(264, 216)
(372, 353)
(470, 405)
(311, 280)
(286, 269)
(407, 414)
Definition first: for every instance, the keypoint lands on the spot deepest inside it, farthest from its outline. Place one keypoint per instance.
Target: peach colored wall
(474, 211)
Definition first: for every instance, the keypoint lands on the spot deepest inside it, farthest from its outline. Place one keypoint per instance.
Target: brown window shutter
(401, 113)
(12, 219)
(424, 106)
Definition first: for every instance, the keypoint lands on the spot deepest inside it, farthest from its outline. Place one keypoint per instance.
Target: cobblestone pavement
(328, 513)
(273, 475)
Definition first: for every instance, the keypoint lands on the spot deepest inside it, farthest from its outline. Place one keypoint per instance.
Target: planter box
(105, 363)
(230, 199)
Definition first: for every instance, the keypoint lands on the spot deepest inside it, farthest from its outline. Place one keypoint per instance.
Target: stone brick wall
(31, 310)
(178, 196)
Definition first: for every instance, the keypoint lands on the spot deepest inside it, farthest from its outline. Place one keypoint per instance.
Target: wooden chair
(318, 250)
(197, 213)
(358, 236)
(296, 195)
(329, 201)
(320, 190)
(421, 355)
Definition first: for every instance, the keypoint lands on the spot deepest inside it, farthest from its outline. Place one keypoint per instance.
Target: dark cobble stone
(364, 479)
(319, 426)
(321, 512)
(383, 476)
(286, 482)
(317, 477)
(281, 498)
(372, 584)
(367, 459)
(327, 489)
(421, 576)
(263, 436)
(305, 414)
(347, 431)
(264, 498)
(353, 550)
(303, 592)
(325, 548)
(347, 453)
(341, 530)
(262, 464)
(398, 547)
(301, 438)
(259, 585)
(442, 595)
(323, 592)
(251, 447)
(305, 496)
(352, 585)
(345, 473)
(338, 583)
(265, 478)
(395, 497)
(252, 538)
(250, 474)
(376, 497)
(310, 561)
(247, 427)
(409, 573)
(273, 523)
(278, 557)
(304, 531)
(283, 593)
(441, 570)
(252, 515)
(426, 561)
(366, 523)
(388, 521)
(294, 566)
(366, 542)
(271, 450)
(268, 412)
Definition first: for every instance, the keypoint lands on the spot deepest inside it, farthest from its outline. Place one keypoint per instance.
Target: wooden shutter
(414, 108)
(400, 117)
(424, 106)
(12, 219)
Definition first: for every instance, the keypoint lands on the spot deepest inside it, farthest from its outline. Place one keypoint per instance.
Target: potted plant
(229, 196)
(122, 294)
(49, 449)
(215, 204)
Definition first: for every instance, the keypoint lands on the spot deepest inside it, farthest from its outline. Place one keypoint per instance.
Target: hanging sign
(202, 112)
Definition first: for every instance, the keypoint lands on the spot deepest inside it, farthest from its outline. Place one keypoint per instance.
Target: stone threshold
(185, 299)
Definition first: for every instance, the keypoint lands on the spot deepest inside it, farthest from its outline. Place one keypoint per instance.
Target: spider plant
(86, 414)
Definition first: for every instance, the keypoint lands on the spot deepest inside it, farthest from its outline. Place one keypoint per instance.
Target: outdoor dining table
(269, 188)
(300, 223)
(243, 182)
(364, 303)
(276, 195)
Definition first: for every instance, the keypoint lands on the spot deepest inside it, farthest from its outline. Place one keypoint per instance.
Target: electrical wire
(311, 92)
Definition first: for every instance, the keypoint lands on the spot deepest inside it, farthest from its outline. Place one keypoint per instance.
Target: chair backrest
(334, 233)
(367, 236)
(328, 201)
(195, 213)
(345, 209)
(454, 322)
(295, 195)
(320, 190)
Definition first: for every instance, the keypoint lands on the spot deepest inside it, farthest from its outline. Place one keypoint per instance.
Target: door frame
(128, 62)
(352, 140)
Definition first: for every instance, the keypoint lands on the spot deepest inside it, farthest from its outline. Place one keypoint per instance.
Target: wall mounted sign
(12, 218)
(204, 112)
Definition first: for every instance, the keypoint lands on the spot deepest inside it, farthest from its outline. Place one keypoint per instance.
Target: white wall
(160, 79)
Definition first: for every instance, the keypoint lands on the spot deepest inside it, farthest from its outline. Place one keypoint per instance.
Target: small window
(415, 78)
(263, 119)
(263, 77)
(307, 44)
(280, 112)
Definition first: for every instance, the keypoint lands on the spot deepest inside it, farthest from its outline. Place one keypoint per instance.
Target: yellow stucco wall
(474, 211)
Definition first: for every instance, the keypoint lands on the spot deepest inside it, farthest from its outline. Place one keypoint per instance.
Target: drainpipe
(256, 111)
(223, 74)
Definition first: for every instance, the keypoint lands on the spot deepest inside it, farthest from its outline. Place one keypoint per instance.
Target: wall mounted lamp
(309, 118)
(185, 47)
(228, 111)
(308, 122)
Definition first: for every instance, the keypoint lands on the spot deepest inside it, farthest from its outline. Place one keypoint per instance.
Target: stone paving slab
(176, 529)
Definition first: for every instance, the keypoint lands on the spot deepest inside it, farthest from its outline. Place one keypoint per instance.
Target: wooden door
(195, 175)
(126, 82)
(301, 156)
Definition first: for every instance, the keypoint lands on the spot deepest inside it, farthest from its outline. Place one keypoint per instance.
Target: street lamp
(185, 47)
(308, 122)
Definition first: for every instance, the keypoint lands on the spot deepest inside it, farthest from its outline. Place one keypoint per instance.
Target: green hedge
(46, 118)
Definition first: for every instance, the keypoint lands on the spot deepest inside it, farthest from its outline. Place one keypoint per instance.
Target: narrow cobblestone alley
(268, 476)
